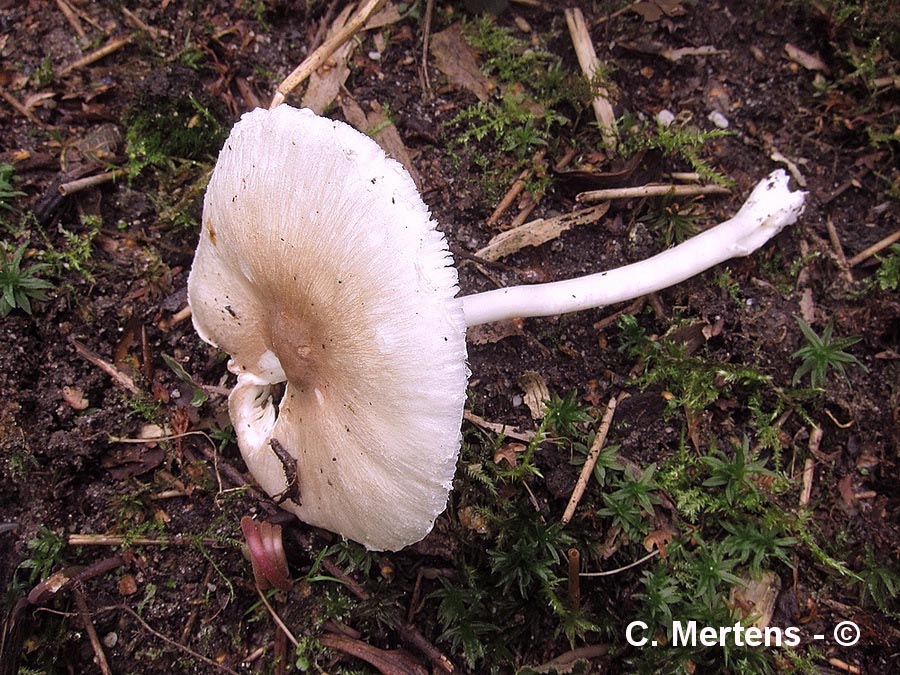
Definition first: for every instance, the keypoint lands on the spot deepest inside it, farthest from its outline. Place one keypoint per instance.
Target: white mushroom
(320, 267)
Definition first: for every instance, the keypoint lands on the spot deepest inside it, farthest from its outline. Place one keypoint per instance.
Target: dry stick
(426, 39)
(591, 460)
(838, 249)
(117, 375)
(277, 619)
(590, 66)
(637, 562)
(873, 249)
(138, 23)
(498, 428)
(843, 665)
(312, 62)
(809, 469)
(650, 191)
(685, 176)
(514, 190)
(176, 318)
(617, 13)
(104, 51)
(168, 640)
(74, 186)
(116, 540)
(72, 18)
(89, 628)
(19, 108)
(526, 211)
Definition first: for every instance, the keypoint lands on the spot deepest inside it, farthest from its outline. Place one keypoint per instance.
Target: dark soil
(187, 80)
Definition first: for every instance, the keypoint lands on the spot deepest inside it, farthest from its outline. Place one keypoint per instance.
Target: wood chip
(535, 393)
(489, 333)
(539, 231)
(805, 59)
(756, 597)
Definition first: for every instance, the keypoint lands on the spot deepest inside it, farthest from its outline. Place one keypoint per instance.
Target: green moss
(183, 129)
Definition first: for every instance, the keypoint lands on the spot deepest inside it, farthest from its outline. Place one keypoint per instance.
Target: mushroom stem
(770, 207)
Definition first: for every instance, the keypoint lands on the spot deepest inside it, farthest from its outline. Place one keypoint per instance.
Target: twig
(873, 249)
(176, 318)
(411, 634)
(590, 66)
(169, 641)
(633, 308)
(385, 662)
(426, 39)
(157, 439)
(138, 23)
(19, 108)
(277, 619)
(637, 562)
(617, 13)
(113, 45)
(498, 428)
(685, 176)
(116, 540)
(809, 472)
(312, 62)
(527, 210)
(89, 628)
(650, 191)
(838, 249)
(588, 469)
(514, 190)
(843, 665)
(74, 186)
(72, 18)
(117, 375)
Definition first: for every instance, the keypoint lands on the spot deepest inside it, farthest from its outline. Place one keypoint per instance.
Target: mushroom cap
(319, 266)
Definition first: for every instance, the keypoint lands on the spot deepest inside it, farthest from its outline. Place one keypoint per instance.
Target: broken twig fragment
(590, 66)
(326, 49)
(651, 191)
(588, 469)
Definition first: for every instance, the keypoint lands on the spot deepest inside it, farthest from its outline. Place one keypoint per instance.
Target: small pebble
(665, 117)
(718, 119)
(110, 640)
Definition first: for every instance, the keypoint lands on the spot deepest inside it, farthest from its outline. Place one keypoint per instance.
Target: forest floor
(750, 473)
